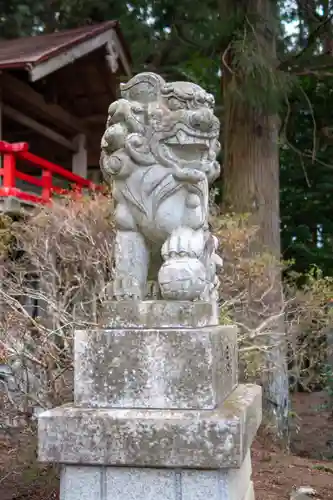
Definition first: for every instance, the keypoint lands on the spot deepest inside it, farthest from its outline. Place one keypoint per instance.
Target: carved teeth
(183, 138)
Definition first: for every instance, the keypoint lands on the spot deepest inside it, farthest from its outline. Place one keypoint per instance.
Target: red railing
(10, 173)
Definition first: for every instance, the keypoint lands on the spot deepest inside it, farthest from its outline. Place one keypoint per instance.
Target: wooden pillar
(1, 138)
(1, 131)
(95, 176)
(80, 158)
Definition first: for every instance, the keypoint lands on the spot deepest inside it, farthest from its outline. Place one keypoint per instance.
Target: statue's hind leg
(131, 265)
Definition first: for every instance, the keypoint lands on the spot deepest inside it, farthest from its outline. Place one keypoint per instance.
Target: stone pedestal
(157, 412)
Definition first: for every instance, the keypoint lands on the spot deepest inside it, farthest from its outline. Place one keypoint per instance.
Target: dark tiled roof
(24, 52)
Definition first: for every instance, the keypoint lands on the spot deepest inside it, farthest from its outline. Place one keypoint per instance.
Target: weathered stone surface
(145, 484)
(224, 484)
(78, 482)
(180, 368)
(158, 314)
(129, 483)
(159, 152)
(184, 438)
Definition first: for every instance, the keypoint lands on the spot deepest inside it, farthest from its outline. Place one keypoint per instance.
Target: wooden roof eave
(109, 39)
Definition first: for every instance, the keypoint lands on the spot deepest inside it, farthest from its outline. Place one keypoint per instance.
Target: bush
(55, 281)
(253, 296)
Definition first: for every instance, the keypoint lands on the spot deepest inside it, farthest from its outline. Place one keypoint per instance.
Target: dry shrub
(253, 296)
(250, 292)
(6, 235)
(55, 282)
(309, 321)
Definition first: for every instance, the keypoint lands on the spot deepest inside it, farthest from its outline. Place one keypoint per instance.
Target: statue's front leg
(131, 265)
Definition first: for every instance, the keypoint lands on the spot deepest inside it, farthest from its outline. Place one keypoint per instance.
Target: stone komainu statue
(159, 152)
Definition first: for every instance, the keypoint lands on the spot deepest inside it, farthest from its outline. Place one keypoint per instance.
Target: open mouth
(187, 147)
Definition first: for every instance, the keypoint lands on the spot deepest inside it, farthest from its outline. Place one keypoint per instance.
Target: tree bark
(251, 186)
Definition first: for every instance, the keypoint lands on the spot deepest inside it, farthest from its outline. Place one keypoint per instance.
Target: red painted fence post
(47, 185)
(9, 168)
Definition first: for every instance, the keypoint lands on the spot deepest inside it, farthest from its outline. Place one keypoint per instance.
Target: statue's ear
(143, 88)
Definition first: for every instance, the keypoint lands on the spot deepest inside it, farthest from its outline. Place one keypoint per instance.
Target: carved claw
(183, 242)
(127, 288)
(152, 291)
(182, 276)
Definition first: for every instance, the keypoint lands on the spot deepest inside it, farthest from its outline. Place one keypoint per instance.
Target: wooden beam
(80, 158)
(104, 71)
(1, 127)
(95, 175)
(116, 46)
(53, 113)
(1, 118)
(41, 129)
(69, 56)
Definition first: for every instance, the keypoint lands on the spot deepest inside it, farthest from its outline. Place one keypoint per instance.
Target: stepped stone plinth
(160, 401)
(158, 412)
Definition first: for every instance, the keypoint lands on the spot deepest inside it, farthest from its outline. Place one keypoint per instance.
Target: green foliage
(201, 70)
(256, 80)
(307, 176)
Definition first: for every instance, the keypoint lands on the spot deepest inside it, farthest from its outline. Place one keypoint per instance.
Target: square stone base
(162, 368)
(203, 439)
(120, 483)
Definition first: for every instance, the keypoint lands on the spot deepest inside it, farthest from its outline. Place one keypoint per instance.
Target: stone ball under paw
(182, 278)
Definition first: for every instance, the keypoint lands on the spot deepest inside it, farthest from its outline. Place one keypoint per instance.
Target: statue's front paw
(184, 241)
(126, 288)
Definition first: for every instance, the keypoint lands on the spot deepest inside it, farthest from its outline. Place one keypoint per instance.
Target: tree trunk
(251, 186)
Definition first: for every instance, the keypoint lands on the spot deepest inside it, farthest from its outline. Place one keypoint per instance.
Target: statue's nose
(202, 119)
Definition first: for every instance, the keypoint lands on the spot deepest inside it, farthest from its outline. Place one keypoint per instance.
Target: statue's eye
(175, 104)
